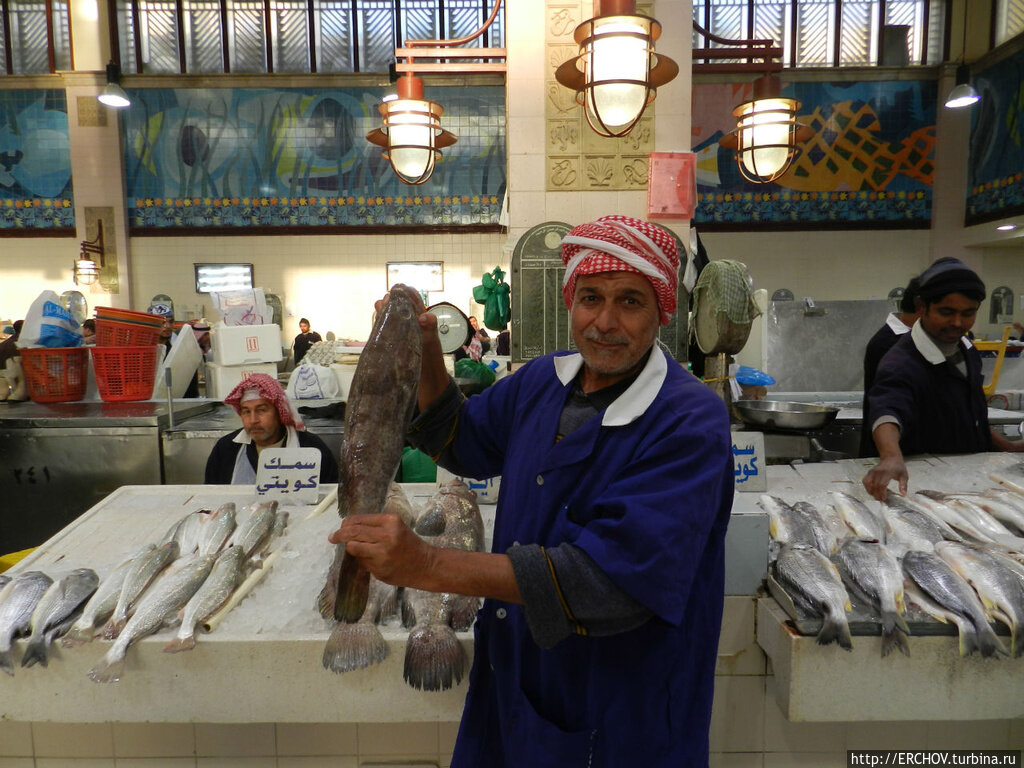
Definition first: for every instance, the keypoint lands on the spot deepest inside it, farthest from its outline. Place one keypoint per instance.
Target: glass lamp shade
(767, 134)
(617, 73)
(114, 96)
(963, 93)
(86, 272)
(411, 133)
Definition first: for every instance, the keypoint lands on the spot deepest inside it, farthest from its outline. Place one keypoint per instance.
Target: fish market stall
(187, 445)
(262, 661)
(930, 680)
(59, 459)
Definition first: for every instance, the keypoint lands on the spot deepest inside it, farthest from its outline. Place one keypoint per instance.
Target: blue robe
(939, 409)
(646, 492)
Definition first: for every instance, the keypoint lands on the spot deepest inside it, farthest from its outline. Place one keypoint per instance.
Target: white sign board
(289, 475)
(749, 462)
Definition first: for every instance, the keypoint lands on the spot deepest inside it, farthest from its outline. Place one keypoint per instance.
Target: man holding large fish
(597, 641)
(927, 396)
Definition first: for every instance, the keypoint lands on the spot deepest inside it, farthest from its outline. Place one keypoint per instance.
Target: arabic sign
(749, 462)
(289, 474)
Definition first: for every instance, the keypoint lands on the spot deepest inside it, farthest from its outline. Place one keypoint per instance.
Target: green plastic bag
(416, 467)
(467, 368)
(493, 292)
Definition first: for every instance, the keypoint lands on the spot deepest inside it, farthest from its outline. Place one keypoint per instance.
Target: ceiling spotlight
(113, 94)
(963, 93)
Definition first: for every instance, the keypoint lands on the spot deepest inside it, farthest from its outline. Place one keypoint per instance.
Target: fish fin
(988, 643)
(388, 605)
(464, 612)
(107, 670)
(35, 652)
(354, 646)
(7, 662)
(113, 628)
(434, 658)
(353, 590)
(835, 631)
(76, 637)
(178, 643)
(893, 636)
(329, 594)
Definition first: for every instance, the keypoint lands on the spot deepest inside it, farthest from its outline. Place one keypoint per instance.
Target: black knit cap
(949, 275)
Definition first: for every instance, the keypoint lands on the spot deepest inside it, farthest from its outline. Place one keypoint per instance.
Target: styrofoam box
(242, 344)
(221, 379)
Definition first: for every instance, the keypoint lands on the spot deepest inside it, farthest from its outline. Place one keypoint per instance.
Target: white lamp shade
(114, 96)
(616, 61)
(962, 95)
(86, 271)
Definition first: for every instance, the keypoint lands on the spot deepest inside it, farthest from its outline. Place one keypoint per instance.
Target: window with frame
(288, 36)
(833, 33)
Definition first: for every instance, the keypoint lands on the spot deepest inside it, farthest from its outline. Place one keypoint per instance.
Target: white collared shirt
(631, 404)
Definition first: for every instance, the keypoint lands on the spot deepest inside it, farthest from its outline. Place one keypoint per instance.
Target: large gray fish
(379, 407)
(999, 587)
(101, 605)
(17, 602)
(360, 644)
(434, 657)
(956, 600)
(61, 600)
(969, 519)
(219, 585)
(144, 569)
(799, 523)
(216, 528)
(912, 528)
(169, 594)
(873, 573)
(813, 582)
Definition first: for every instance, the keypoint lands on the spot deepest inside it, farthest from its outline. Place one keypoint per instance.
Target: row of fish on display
(434, 657)
(186, 577)
(955, 557)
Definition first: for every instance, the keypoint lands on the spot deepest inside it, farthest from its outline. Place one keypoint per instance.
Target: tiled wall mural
(35, 161)
(995, 184)
(869, 164)
(200, 158)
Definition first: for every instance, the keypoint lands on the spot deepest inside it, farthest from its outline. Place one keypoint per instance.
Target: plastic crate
(124, 373)
(56, 374)
(119, 333)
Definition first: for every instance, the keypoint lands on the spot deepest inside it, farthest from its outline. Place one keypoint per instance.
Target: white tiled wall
(747, 731)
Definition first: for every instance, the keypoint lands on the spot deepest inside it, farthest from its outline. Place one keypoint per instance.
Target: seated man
(267, 422)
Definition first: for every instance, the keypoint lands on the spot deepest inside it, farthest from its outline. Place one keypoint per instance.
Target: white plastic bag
(49, 324)
(313, 382)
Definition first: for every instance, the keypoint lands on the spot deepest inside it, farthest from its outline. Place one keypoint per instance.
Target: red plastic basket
(124, 373)
(56, 374)
(117, 333)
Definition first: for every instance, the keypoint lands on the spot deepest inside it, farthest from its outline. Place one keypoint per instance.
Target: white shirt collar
(896, 325)
(928, 348)
(291, 437)
(631, 404)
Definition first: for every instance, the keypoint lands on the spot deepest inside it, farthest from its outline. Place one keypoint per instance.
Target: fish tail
(109, 669)
(113, 628)
(180, 643)
(7, 661)
(987, 642)
(353, 590)
(834, 630)
(35, 652)
(76, 637)
(893, 636)
(434, 658)
(354, 646)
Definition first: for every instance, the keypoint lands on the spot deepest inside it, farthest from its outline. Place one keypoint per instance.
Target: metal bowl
(777, 414)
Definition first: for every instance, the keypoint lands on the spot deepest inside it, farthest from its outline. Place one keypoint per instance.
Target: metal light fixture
(963, 93)
(86, 271)
(767, 135)
(411, 133)
(617, 73)
(412, 136)
(113, 94)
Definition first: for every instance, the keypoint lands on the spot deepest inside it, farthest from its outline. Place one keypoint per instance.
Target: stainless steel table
(59, 459)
